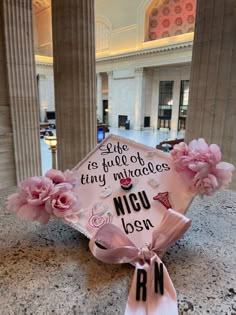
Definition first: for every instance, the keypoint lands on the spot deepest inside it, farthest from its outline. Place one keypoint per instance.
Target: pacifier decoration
(126, 183)
(119, 197)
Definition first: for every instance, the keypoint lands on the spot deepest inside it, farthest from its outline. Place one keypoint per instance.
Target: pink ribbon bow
(152, 291)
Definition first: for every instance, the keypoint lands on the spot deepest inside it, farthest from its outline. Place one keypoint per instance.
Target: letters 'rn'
(141, 289)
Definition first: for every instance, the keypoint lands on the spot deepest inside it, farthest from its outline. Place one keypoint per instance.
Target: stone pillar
(99, 97)
(212, 99)
(139, 106)
(175, 106)
(111, 118)
(74, 79)
(19, 112)
(155, 99)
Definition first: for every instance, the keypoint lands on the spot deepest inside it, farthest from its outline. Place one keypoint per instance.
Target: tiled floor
(149, 137)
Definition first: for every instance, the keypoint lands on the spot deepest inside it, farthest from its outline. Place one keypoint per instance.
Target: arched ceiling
(40, 5)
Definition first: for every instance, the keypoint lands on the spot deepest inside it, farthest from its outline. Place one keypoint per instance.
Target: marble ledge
(50, 270)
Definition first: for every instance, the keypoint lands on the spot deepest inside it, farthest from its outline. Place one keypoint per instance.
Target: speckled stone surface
(50, 270)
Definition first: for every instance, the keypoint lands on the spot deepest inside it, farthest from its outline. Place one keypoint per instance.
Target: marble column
(155, 99)
(74, 79)
(175, 106)
(139, 106)
(19, 112)
(111, 117)
(99, 98)
(212, 99)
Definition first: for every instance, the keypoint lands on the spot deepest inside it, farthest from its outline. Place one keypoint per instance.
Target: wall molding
(124, 29)
(143, 52)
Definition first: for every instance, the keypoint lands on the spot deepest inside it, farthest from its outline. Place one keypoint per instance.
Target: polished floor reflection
(148, 137)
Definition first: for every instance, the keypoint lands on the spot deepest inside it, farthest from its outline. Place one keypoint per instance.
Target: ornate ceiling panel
(170, 18)
(40, 5)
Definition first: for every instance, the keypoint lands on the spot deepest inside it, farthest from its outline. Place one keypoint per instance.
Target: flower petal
(214, 148)
(28, 212)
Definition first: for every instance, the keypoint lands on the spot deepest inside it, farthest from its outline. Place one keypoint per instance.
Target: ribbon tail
(156, 303)
(134, 307)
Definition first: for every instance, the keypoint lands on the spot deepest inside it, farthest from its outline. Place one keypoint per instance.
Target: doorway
(105, 112)
(121, 120)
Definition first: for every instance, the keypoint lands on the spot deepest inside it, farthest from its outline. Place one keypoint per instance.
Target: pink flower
(36, 190)
(72, 177)
(200, 150)
(215, 150)
(202, 164)
(199, 145)
(201, 169)
(14, 202)
(206, 185)
(197, 151)
(64, 204)
(179, 150)
(33, 213)
(43, 196)
(29, 202)
(56, 176)
(223, 172)
(59, 177)
(18, 204)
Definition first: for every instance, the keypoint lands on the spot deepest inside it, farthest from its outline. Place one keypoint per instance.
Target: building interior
(134, 59)
(129, 64)
(143, 63)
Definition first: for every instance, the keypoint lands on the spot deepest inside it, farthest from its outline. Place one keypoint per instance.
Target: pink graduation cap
(130, 200)
(119, 182)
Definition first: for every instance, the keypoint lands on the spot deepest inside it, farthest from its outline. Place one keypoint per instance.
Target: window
(165, 103)
(183, 103)
(147, 121)
(166, 93)
(184, 95)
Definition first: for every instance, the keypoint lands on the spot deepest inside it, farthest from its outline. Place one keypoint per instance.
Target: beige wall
(45, 86)
(122, 13)
(43, 33)
(123, 96)
(148, 86)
